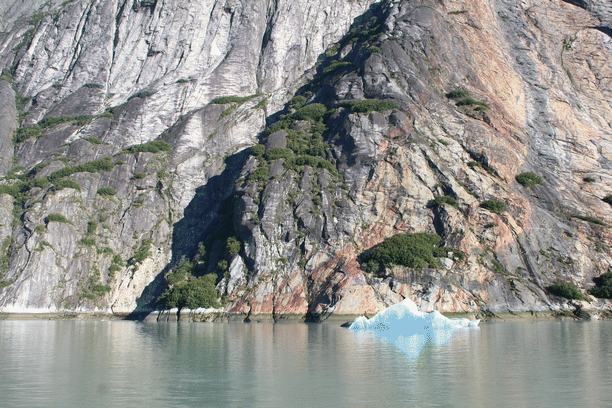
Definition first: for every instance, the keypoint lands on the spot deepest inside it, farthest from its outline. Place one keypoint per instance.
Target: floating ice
(408, 329)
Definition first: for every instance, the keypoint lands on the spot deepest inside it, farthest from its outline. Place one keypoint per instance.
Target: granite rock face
(352, 118)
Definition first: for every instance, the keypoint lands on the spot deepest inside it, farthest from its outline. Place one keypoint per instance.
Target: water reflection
(117, 364)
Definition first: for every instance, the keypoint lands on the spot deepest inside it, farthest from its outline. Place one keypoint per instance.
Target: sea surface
(134, 364)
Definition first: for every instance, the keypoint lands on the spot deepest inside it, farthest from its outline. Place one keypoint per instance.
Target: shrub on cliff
(566, 290)
(603, 288)
(193, 294)
(494, 206)
(106, 191)
(528, 179)
(445, 199)
(411, 250)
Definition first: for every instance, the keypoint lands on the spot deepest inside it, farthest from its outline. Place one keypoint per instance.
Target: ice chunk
(409, 329)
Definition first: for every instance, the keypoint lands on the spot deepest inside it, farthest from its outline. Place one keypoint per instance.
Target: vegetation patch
(54, 217)
(369, 105)
(608, 199)
(445, 199)
(588, 218)
(63, 183)
(106, 191)
(225, 100)
(95, 166)
(528, 179)
(155, 146)
(566, 290)
(199, 292)
(494, 206)
(142, 253)
(410, 250)
(603, 288)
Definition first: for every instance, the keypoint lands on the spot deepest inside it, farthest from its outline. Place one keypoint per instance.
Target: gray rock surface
(94, 217)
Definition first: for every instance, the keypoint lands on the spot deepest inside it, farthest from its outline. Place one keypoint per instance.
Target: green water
(132, 364)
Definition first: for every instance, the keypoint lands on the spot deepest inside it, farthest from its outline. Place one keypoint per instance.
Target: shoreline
(190, 316)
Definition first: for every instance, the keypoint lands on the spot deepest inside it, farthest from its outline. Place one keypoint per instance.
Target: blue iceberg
(408, 329)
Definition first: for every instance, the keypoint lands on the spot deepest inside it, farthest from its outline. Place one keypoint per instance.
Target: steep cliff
(155, 149)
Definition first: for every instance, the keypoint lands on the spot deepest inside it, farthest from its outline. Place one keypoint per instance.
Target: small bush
(93, 140)
(155, 146)
(369, 105)
(494, 206)
(277, 153)
(603, 288)
(200, 292)
(95, 166)
(528, 179)
(457, 94)
(258, 150)
(56, 218)
(608, 199)
(225, 100)
(566, 290)
(588, 218)
(88, 241)
(298, 101)
(232, 247)
(106, 191)
(142, 253)
(410, 250)
(62, 184)
(313, 111)
(335, 66)
(445, 199)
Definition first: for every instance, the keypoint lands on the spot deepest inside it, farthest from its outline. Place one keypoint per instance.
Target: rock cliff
(156, 152)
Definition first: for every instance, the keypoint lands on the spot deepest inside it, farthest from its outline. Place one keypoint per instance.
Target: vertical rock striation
(273, 144)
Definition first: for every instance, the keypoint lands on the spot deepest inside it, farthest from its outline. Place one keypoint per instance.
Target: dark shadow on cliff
(201, 218)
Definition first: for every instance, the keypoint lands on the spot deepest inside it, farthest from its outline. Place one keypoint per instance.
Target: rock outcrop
(273, 144)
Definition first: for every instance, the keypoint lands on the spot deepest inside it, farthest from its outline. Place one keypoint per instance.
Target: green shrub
(258, 150)
(117, 260)
(335, 66)
(93, 140)
(88, 241)
(528, 179)
(54, 217)
(155, 146)
(369, 105)
(608, 199)
(603, 288)
(494, 206)
(139, 176)
(588, 218)
(457, 94)
(232, 247)
(200, 292)
(260, 174)
(410, 250)
(298, 101)
(566, 290)
(106, 191)
(445, 199)
(314, 111)
(277, 153)
(589, 180)
(180, 274)
(91, 227)
(142, 253)
(95, 166)
(225, 100)
(63, 183)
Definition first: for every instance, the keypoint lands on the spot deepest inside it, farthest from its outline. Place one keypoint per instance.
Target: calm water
(132, 364)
